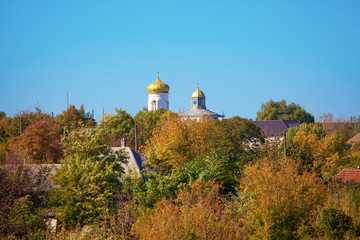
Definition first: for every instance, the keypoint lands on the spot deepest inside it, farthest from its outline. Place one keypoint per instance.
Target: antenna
(67, 100)
(103, 114)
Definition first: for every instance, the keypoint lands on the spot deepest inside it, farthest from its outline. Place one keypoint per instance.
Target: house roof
(275, 127)
(348, 175)
(355, 139)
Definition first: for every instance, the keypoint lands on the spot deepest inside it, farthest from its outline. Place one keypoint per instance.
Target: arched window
(153, 105)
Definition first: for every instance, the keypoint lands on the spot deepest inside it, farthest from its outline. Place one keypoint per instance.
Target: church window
(153, 105)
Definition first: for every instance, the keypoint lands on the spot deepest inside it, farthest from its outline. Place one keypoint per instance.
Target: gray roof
(198, 112)
(135, 161)
(275, 127)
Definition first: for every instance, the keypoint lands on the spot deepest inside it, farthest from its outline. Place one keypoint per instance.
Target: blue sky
(242, 53)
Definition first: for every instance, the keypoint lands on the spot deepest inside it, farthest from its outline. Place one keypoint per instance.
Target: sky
(242, 53)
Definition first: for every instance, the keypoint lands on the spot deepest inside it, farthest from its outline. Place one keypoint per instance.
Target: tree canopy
(273, 110)
(88, 179)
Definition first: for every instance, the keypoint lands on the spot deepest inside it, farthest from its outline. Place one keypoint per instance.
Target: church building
(198, 108)
(158, 97)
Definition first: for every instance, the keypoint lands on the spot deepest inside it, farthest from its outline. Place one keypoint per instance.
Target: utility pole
(285, 143)
(136, 147)
(21, 123)
(67, 108)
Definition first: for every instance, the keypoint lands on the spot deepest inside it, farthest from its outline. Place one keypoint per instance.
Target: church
(158, 97)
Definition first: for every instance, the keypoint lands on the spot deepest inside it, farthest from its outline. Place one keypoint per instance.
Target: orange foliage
(196, 214)
(40, 142)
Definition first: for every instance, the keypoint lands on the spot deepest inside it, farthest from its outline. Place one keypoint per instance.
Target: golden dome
(158, 87)
(198, 94)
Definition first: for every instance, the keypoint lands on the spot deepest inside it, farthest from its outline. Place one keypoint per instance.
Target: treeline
(204, 179)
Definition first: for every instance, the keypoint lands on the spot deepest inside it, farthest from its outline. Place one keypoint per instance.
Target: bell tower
(158, 95)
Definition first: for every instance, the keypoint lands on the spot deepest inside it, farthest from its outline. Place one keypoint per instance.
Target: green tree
(2, 114)
(333, 222)
(88, 179)
(273, 110)
(117, 128)
(145, 122)
(238, 138)
(28, 222)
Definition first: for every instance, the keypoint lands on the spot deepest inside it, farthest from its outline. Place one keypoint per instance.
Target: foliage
(238, 138)
(333, 222)
(40, 142)
(177, 141)
(74, 119)
(26, 220)
(117, 127)
(145, 122)
(198, 213)
(273, 110)
(325, 153)
(19, 183)
(212, 167)
(278, 195)
(88, 179)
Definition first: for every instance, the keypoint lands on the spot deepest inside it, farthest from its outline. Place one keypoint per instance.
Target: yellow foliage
(279, 195)
(176, 141)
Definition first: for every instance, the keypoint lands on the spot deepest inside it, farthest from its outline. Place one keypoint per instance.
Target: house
(347, 176)
(275, 129)
(355, 139)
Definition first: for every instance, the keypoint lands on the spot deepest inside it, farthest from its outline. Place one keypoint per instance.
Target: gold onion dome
(198, 94)
(158, 87)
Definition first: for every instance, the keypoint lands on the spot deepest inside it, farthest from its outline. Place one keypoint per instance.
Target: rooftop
(275, 127)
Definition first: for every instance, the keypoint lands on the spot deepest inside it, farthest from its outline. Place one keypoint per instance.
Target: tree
(238, 138)
(318, 151)
(333, 222)
(273, 110)
(177, 141)
(41, 142)
(2, 114)
(22, 188)
(88, 179)
(198, 213)
(145, 123)
(278, 196)
(117, 128)
(73, 119)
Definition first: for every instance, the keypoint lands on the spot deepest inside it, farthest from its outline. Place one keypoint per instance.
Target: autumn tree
(40, 142)
(280, 198)
(273, 110)
(318, 151)
(198, 213)
(12, 130)
(176, 141)
(88, 179)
